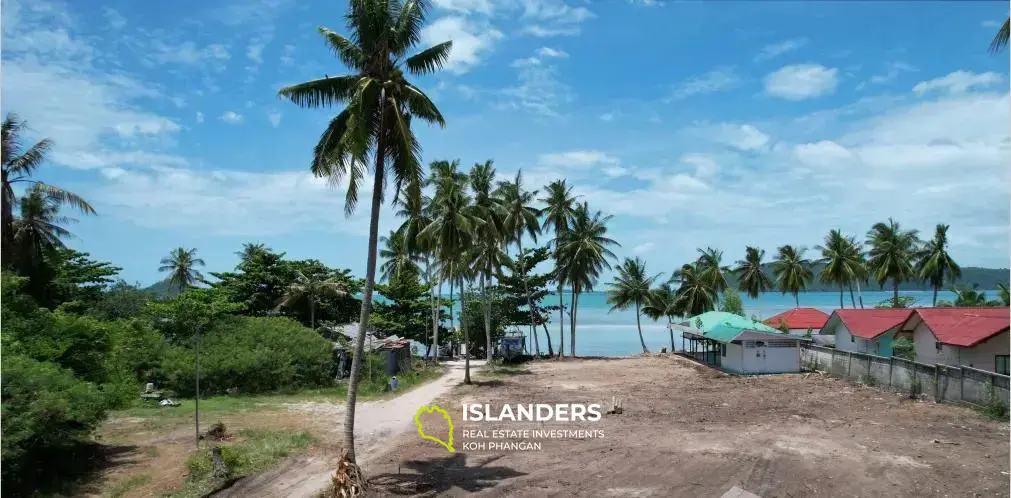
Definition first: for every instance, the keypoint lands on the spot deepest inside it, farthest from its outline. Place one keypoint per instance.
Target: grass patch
(994, 408)
(123, 487)
(370, 388)
(254, 451)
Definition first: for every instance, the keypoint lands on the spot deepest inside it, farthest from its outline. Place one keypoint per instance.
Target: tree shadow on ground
(70, 470)
(439, 475)
(486, 383)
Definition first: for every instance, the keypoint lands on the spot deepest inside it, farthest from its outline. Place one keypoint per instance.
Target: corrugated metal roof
(965, 327)
(870, 323)
(724, 327)
(800, 318)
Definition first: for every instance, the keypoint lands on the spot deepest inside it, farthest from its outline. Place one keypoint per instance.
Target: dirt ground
(689, 431)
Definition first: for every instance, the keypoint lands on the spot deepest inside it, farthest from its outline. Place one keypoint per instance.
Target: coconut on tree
(631, 287)
(374, 126)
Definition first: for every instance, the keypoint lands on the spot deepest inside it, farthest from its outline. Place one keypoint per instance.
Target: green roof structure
(725, 327)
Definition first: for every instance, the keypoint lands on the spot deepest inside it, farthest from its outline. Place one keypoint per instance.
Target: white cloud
(254, 52)
(525, 62)
(717, 80)
(776, 49)
(615, 171)
(550, 52)
(465, 6)
(179, 101)
(548, 18)
(200, 117)
(471, 41)
(743, 137)
(958, 82)
(274, 117)
(577, 158)
(114, 18)
(188, 53)
(607, 116)
(643, 248)
(231, 117)
(801, 81)
(538, 89)
(894, 70)
(990, 23)
(287, 58)
(705, 166)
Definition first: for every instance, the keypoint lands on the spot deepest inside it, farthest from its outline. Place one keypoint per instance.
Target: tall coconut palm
(792, 271)
(380, 104)
(250, 250)
(488, 255)
(892, 251)
(584, 253)
(713, 271)
(662, 302)
(631, 286)
(751, 274)
(519, 219)
(841, 266)
(397, 256)
(558, 214)
(1000, 40)
(445, 177)
(181, 265)
(934, 264)
(416, 212)
(1004, 294)
(695, 294)
(39, 229)
(311, 288)
(17, 165)
(856, 254)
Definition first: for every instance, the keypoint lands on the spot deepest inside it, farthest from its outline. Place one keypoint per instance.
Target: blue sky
(718, 124)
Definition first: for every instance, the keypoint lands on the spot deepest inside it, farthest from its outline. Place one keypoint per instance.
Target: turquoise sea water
(600, 333)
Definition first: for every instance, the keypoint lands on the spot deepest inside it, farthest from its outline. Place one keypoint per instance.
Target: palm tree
(558, 215)
(710, 264)
(631, 286)
(181, 263)
(891, 254)
(1005, 295)
(488, 255)
(694, 294)
(445, 175)
(841, 266)
(584, 252)
(934, 264)
(520, 218)
(250, 250)
(662, 302)
(380, 105)
(970, 297)
(397, 257)
(16, 167)
(792, 271)
(855, 253)
(416, 211)
(311, 288)
(38, 230)
(752, 277)
(1000, 40)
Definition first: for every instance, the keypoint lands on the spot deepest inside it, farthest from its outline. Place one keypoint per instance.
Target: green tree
(731, 302)
(521, 280)
(558, 213)
(251, 250)
(933, 263)
(631, 287)
(380, 105)
(416, 212)
(972, 297)
(694, 293)
(405, 312)
(17, 167)
(792, 271)
(892, 251)
(1005, 296)
(488, 256)
(519, 218)
(584, 252)
(662, 302)
(712, 270)
(841, 264)
(38, 231)
(311, 288)
(181, 265)
(753, 279)
(397, 256)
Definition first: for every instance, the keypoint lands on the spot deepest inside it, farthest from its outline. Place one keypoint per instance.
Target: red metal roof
(870, 323)
(965, 327)
(800, 318)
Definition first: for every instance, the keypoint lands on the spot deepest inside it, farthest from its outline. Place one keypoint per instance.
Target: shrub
(46, 411)
(250, 355)
(904, 348)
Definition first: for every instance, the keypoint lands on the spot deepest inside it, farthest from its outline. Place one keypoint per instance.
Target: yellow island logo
(421, 430)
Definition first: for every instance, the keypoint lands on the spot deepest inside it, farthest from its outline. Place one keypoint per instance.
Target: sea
(601, 332)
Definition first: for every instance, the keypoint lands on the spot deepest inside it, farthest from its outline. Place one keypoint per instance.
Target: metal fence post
(849, 363)
(891, 363)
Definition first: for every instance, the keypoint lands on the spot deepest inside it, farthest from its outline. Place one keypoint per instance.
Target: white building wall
(844, 341)
(981, 356)
(733, 361)
(924, 343)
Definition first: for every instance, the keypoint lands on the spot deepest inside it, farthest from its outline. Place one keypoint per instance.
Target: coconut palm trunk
(435, 320)
(895, 292)
(841, 296)
(860, 295)
(487, 317)
(450, 277)
(530, 303)
(561, 322)
(796, 298)
(935, 296)
(853, 301)
(466, 336)
(670, 328)
(638, 324)
(370, 283)
(572, 320)
(312, 312)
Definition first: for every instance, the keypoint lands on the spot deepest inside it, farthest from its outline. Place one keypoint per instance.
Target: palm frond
(1000, 40)
(322, 92)
(429, 60)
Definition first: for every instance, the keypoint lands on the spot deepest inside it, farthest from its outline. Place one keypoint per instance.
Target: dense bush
(45, 410)
(250, 355)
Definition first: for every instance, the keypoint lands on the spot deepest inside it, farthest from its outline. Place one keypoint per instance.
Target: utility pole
(196, 401)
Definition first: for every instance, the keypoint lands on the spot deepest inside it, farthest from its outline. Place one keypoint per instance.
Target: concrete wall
(733, 361)
(942, 382)
(981, 356)
(881, 345)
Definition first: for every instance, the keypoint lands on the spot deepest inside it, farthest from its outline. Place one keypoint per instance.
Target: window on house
(938, 346)
(1002, 364)
(723, 350)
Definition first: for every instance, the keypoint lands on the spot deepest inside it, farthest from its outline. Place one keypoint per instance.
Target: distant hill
(987, 278)
(162, 289)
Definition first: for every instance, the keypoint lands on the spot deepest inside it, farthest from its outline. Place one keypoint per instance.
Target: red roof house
(972, 337)
(800, 319)
(869, 331)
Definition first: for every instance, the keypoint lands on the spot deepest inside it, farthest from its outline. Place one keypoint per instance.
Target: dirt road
(375, 423)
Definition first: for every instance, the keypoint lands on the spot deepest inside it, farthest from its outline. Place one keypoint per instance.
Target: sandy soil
(689, 431)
